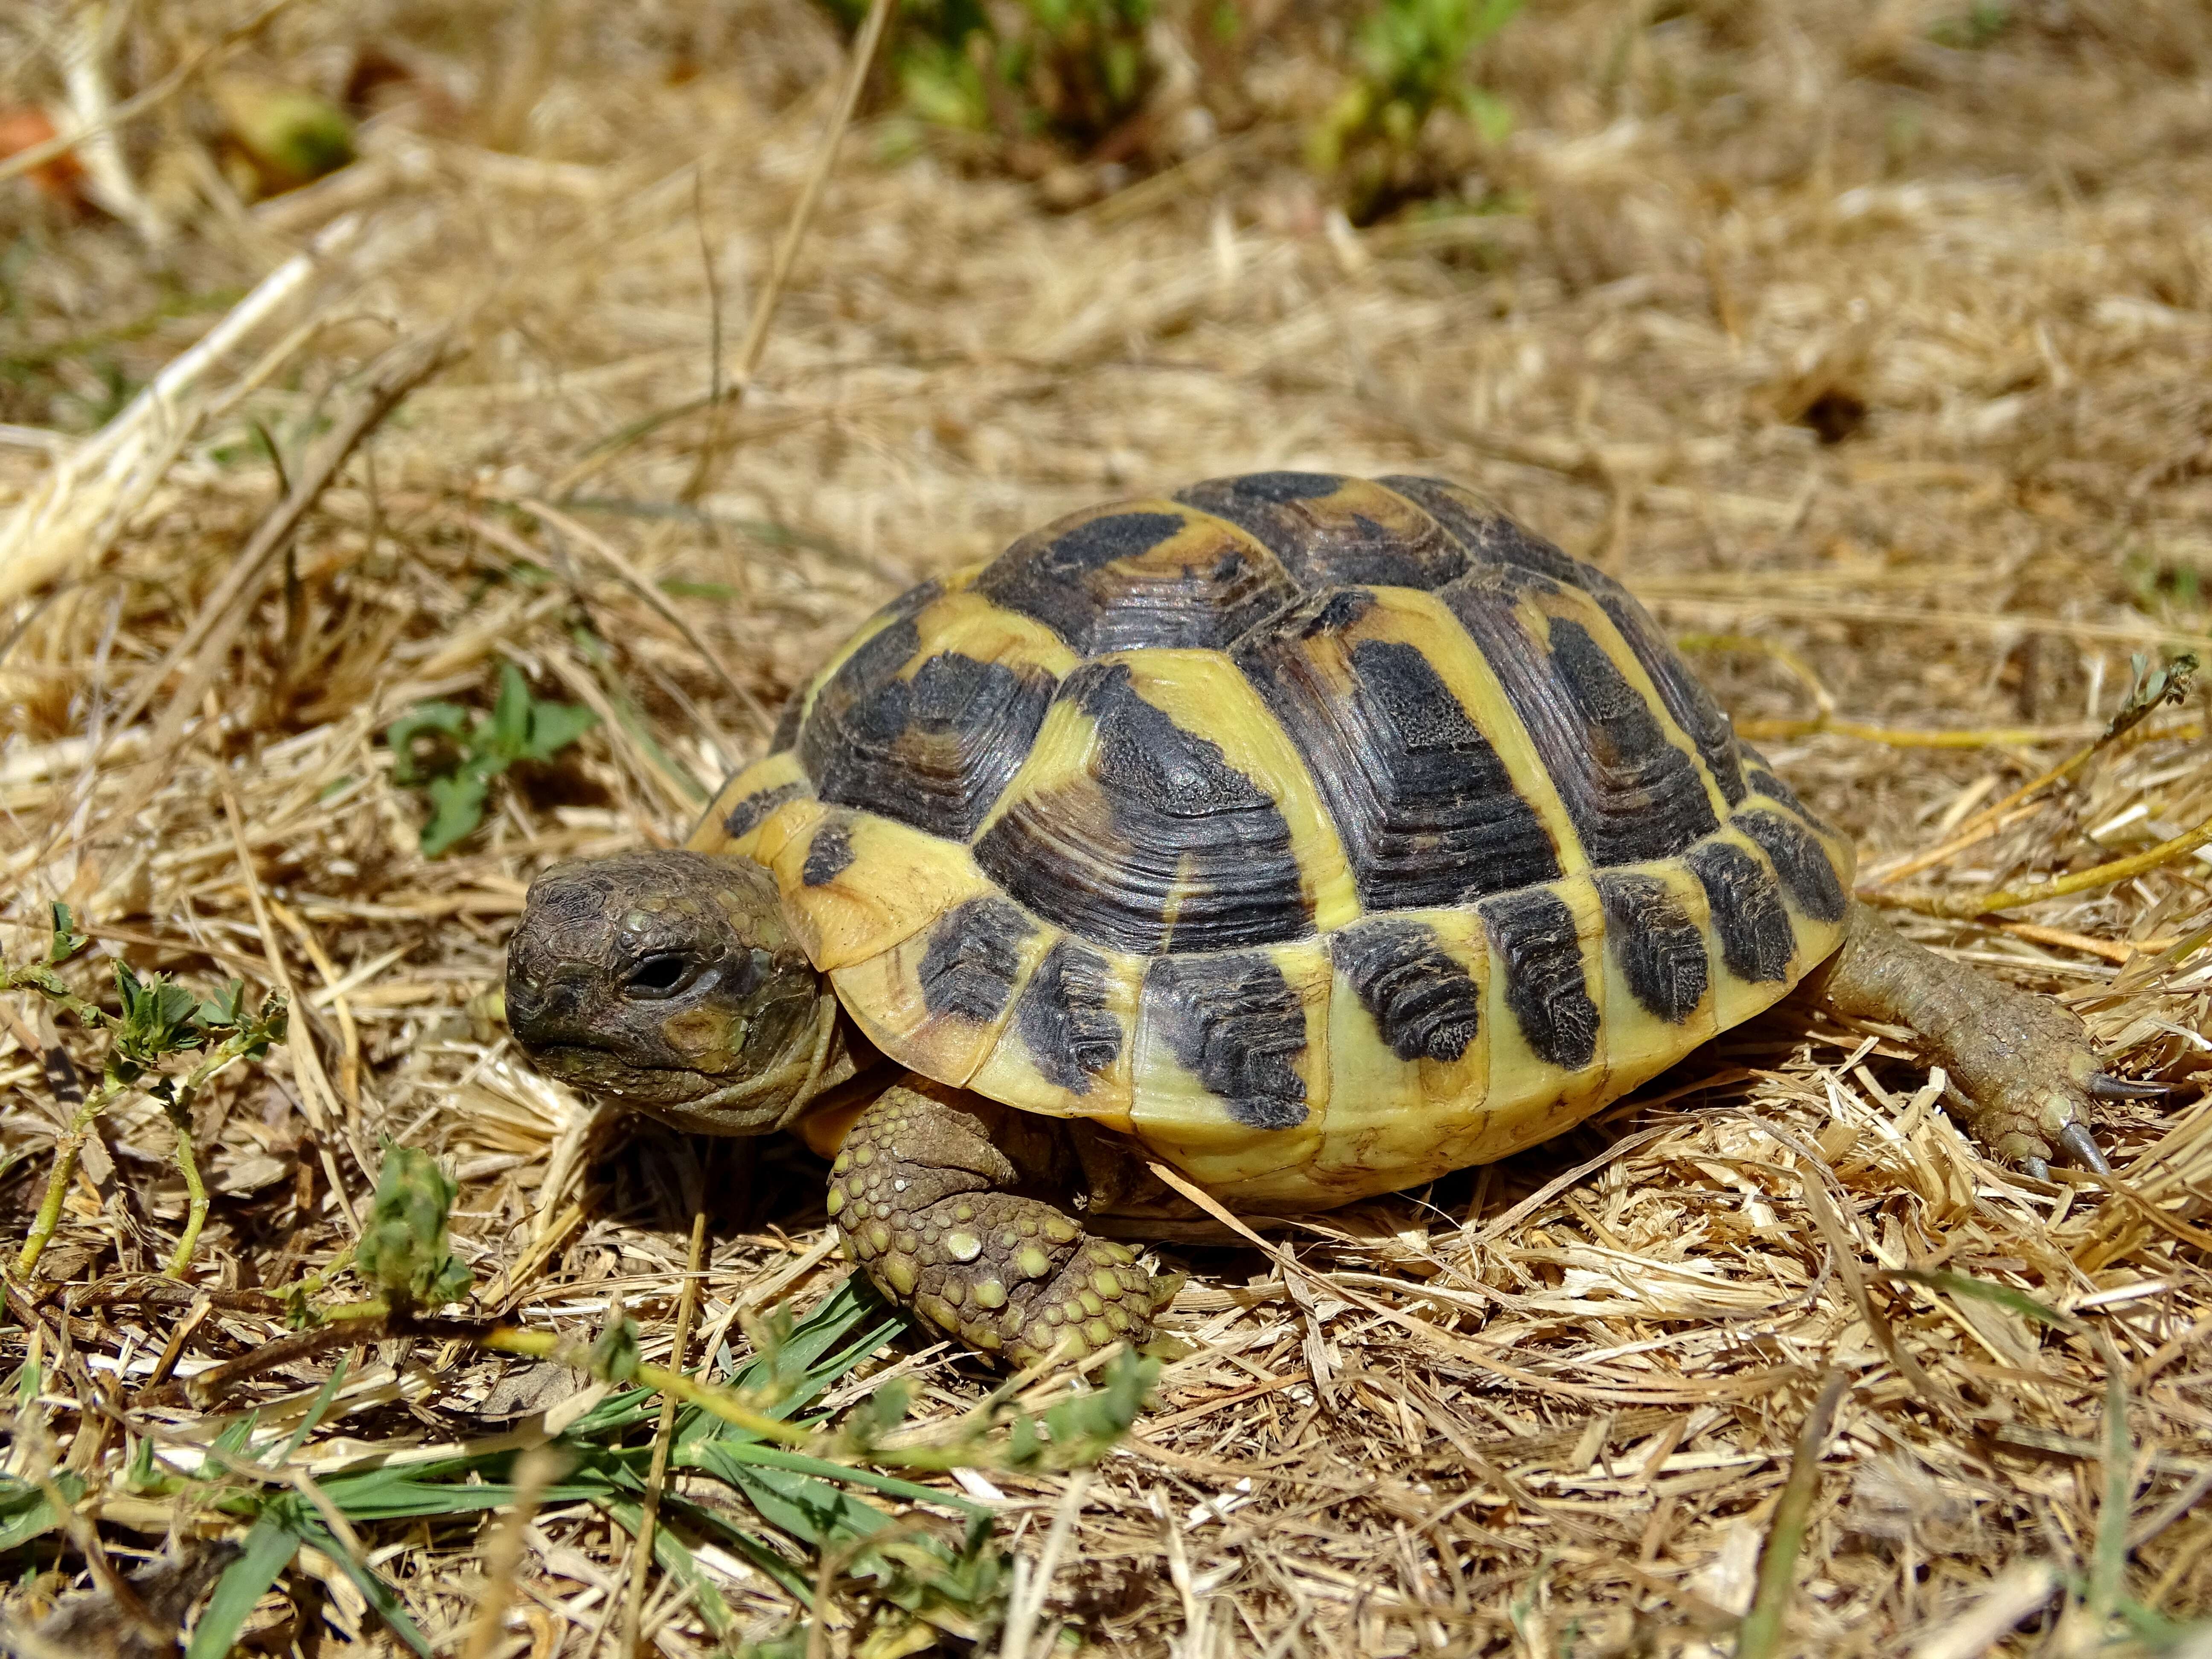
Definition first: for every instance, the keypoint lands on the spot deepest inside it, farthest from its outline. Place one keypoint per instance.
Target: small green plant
(799, 1482)
(1977, 26)
(1068, 72)
(1412, 60)
(157, 1020)
(451, 754)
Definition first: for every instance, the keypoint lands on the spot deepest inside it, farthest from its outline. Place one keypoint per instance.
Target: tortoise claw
(2082, 1147)
(2035, 1168)
(2103, 1085)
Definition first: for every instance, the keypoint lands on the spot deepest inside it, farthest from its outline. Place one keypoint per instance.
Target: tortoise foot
(2024, 1074)
(923, 1191)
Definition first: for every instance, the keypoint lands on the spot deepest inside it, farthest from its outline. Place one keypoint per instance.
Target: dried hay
(1547, 1406)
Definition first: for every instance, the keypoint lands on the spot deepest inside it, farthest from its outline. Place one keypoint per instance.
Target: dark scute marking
(1687, 702)
(1632, 796)
(975, 952)
(1183, 829)
(745, 817)
(1324, 548)
(1334, 612)
(1426, 1004)
(932, 749)
(786, 723)
(1282, 488)
(1489, 538)
(1535, 946)
(1799, 860)
(1660, 950)
(1425, 809)
(1064, 1020)
(829, 855)
(1757, 941)
(1760, 775)
(1097, 588)
(1234, 1022)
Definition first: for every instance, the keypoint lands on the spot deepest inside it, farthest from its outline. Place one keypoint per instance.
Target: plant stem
(67, 1147)
(196, 1211)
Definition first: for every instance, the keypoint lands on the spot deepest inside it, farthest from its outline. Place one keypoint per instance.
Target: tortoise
(1314, 835)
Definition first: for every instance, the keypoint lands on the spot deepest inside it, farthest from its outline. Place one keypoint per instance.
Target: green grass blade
(374, 1589)
(269, 1547)
(2108, 1566)
(316, 1407)
(775, 1458)
(24, 1512)
(673, 1556)
(814, 1512)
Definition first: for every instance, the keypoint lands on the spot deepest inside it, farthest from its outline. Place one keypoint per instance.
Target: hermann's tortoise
(1314, 835)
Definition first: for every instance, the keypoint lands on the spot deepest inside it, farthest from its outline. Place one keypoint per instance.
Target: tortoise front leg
(947, 1202)
(2022, 1064)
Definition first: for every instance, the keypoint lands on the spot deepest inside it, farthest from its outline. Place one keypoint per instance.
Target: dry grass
(1546, 1408)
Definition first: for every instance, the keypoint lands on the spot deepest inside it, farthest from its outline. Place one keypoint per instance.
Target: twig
(534, 1471)
(634, 579)
(1761, 1634)
(809, 196)
(640, 1559)
(1964, 907)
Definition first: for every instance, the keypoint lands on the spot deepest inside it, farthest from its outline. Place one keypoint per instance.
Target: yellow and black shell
(1322, 834)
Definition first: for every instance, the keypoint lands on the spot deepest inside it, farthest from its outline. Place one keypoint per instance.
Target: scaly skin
(2022, 1070)
(928, 1193)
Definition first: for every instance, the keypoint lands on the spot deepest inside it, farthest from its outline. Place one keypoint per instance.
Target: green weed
(1411, 60)
(451, 754)
(157, 1020)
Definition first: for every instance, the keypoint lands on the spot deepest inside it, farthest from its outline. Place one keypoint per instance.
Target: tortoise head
(668, 981)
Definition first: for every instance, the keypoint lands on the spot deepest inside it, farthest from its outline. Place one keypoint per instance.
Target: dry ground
(1881, 366)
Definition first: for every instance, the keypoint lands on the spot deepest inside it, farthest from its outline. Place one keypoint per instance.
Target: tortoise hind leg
(2022, 1064)
(947, 1202)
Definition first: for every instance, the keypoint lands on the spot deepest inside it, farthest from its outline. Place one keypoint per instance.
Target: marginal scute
(1425, 1004)
(830, 854)
(1331, 531)
(974, 959)
(1536, 956)
(1799, 860)
(1065, 1017)
(1235, 1023)
(1758, 945)
(1659, 950)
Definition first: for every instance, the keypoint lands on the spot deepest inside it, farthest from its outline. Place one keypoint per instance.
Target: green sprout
(466, 750)
(403, 1250)
(157, 1020)
(1412, 56)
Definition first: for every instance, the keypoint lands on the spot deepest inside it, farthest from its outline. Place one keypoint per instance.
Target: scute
(1324, 834)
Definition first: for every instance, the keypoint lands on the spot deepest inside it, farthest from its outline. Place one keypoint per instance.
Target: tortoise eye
(661, 975)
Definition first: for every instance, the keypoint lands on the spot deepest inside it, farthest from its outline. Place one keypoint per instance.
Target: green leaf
(25, 1513)
(509, 732)
(66, 941)
(2003, 1296)
(269, 1547)
(554, 726)
(403, 1246)
(457, 807)
(447, 719)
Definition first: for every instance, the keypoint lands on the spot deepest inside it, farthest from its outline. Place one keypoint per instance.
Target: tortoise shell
(1325, 834)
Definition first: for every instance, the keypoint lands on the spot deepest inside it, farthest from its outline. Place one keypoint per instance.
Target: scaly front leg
(2022, 1064)
(947, 1201)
